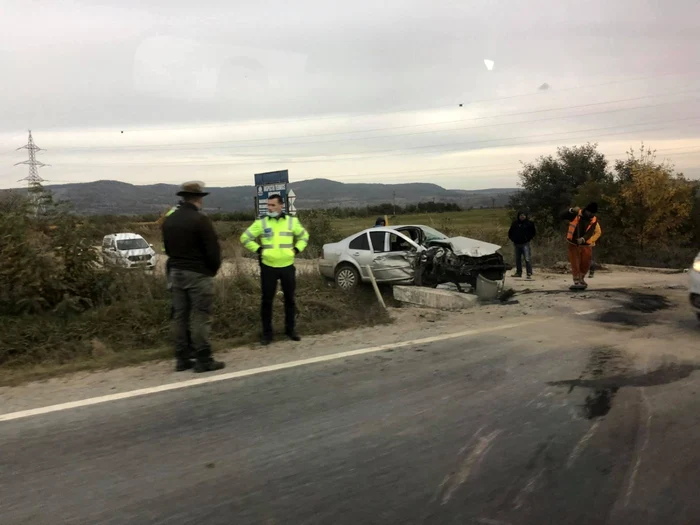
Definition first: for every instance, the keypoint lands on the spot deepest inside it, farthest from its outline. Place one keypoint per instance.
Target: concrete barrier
(435, 298)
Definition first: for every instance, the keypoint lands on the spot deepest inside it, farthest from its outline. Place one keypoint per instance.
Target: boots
(209, 365)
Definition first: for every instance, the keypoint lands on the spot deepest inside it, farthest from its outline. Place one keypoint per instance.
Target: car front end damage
(459, 260)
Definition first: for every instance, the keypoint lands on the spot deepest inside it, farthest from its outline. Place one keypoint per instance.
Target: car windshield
(432, 234)
(132, 244)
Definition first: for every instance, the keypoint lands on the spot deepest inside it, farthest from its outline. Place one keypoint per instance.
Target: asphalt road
(458, 432)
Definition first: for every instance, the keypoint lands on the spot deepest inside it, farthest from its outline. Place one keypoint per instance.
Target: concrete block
(435, 298)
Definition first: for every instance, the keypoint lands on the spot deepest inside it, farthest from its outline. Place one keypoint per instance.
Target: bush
(321, 231)
(47, 264)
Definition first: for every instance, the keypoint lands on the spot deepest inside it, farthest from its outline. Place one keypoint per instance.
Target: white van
(128, 250)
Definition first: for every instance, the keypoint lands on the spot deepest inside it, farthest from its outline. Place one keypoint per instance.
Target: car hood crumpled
(467, 246)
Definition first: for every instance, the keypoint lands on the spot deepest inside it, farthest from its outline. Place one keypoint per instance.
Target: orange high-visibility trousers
(580, 259)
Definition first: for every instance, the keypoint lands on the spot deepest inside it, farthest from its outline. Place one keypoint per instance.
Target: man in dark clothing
(194, 258)
(190, 348)
(380, 222)
(521, 232)
(584, 230)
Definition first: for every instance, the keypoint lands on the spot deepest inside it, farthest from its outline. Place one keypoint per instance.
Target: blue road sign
(269, 184)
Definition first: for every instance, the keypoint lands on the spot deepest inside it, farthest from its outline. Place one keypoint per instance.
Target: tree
(653, 204)
(551, 184)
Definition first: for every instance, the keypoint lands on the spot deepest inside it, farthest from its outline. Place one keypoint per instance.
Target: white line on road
(255, 371)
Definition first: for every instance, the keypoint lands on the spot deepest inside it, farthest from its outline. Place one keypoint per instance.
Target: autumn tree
(652, 204)
(552, 183)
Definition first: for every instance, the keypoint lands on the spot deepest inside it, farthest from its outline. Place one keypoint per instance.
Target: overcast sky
(359, 91)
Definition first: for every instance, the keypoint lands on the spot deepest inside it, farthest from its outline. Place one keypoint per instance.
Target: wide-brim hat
(192, 188)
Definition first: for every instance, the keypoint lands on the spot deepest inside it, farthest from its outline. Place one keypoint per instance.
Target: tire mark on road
(474, 457)
(642, 449)
(581, 445)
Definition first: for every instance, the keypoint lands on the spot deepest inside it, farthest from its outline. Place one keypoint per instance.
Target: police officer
(194, 258)
(282, 237)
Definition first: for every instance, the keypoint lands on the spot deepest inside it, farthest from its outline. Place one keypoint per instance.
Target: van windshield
(132, 244)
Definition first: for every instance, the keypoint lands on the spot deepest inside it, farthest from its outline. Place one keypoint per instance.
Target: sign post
(269, 184)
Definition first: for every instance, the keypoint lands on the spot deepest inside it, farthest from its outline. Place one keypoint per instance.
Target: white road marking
(645, 444)
(582, 444)
(468, 464)
(255, 371)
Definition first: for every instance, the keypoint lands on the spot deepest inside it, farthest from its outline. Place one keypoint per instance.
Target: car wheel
(347, 277)
(423, 278)
(697, 316)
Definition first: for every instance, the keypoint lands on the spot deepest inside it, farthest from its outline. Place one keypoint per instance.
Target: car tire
(697, 316)
(347, 277)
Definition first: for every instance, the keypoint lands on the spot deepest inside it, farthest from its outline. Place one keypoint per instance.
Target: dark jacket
(190, 241)
(580, 231)
(522, 232)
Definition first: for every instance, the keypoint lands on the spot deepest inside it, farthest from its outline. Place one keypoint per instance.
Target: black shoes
(208, 366)
(266, 340)
(184, 364)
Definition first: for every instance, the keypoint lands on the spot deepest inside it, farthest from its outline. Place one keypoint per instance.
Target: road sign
(269, 184)
(291, 197)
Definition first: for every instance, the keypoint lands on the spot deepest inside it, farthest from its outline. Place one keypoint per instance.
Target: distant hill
(120, 198)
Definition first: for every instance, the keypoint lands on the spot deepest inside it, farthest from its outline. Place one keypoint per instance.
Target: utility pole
(34, 180)
(394, 203)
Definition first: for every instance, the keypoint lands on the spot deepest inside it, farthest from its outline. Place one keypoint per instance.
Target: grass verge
(136, 328)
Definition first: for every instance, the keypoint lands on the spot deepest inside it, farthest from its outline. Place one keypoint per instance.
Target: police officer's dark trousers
(268, 280)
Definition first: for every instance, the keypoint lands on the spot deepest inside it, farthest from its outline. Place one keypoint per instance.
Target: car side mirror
(150, 246)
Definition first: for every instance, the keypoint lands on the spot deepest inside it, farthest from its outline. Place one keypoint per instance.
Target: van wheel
(347, 277)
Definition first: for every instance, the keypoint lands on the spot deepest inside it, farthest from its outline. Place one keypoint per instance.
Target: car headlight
(696, 265)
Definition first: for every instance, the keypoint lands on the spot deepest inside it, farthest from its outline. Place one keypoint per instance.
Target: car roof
(388, 228)
(124, 236)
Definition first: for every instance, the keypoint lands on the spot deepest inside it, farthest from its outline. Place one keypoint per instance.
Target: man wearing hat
(194, 258)
(584, 230)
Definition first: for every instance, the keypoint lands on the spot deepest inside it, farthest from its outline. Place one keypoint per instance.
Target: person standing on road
(584, 231)
(194, 258)
(521, 232)
(282, 237)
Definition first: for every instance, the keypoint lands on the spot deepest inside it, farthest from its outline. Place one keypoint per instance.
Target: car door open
(393, 255)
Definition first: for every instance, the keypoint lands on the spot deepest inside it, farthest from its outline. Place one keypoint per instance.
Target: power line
(414, 109)
(469, 169)
(245, 142)
(393, 152)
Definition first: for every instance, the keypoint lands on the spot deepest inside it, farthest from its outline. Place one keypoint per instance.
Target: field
(473, 220)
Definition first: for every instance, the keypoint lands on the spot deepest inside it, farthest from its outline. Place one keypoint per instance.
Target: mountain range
(119, 198)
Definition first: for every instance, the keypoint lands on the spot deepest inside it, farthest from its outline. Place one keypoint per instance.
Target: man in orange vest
(584, 231)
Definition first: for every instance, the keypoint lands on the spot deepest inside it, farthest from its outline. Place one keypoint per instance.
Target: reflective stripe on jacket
(278, 238)
(591, 238)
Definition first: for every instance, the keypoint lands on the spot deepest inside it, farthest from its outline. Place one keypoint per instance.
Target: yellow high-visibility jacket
(279, 237)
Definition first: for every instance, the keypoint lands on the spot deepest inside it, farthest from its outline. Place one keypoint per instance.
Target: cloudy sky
(363, 91)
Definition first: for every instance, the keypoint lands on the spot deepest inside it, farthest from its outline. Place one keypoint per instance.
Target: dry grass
(136, 328)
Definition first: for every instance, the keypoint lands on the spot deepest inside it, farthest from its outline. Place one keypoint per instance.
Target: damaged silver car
(410, 254)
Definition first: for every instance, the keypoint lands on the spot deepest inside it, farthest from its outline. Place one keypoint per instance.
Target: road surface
(503, 427)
